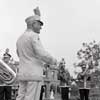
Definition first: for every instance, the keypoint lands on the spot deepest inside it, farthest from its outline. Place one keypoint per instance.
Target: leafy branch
(88, 55)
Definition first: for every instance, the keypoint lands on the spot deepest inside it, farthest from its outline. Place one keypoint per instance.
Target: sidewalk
(55, 98)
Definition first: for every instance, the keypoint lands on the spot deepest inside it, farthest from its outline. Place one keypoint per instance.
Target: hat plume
(37, 11)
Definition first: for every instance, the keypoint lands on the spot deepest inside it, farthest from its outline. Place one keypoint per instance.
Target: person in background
(84, 86)
(5, 90)
(7, 53)
(32, 57)
(64, 77)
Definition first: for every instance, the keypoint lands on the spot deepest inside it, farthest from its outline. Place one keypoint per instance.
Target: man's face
(83, 68)
(37, 26)
(6, 59)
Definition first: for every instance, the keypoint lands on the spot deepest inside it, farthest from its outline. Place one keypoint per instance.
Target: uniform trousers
(29, 90)
(84, 94)
(5, 92)
(42, 91)
(65, 93)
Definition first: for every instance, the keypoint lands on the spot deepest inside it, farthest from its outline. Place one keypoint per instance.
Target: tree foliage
(88, 55)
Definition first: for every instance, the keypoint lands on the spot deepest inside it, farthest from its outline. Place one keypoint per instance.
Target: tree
(88, 55)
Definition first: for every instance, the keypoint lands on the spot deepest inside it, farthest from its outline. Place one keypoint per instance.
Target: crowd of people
(63, 76)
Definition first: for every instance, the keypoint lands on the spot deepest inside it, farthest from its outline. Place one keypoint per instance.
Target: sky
(67, 24)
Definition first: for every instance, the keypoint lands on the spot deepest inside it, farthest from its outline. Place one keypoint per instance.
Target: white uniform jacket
(32, 54)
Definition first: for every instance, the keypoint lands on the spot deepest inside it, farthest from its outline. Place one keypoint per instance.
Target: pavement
(55, 98)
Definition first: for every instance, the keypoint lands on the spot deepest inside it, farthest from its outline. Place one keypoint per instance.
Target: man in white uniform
(32, 55)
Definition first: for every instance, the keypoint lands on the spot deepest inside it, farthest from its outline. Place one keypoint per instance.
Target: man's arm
(41, 53)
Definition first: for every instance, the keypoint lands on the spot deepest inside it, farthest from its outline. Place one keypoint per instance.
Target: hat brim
(40, 22)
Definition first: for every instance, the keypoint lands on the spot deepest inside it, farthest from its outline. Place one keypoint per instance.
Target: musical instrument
(7, 75)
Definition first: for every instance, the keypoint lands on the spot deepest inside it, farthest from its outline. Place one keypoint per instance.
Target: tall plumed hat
(36, 17)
